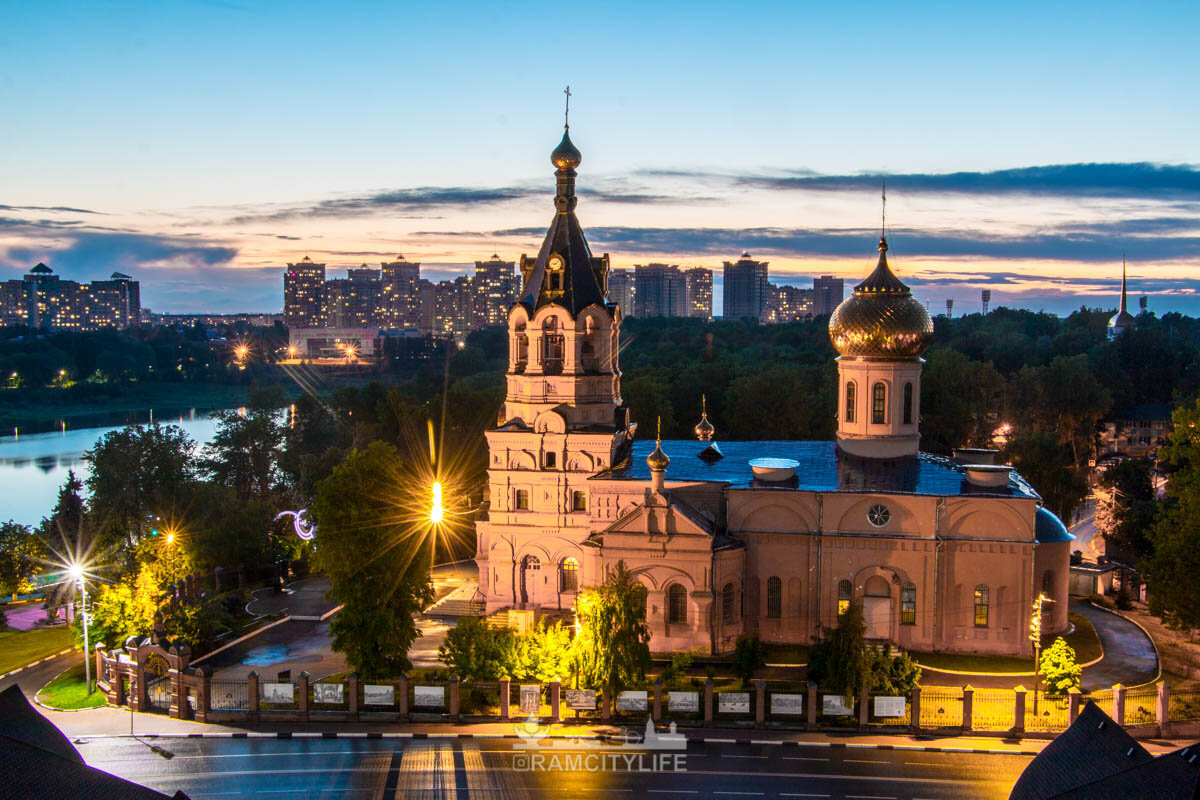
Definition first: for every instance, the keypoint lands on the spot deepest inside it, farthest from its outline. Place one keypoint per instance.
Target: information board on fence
(429, 696)
(632, 701)
(328, 693)
(834, 705)
(531, 698)
(683, 702)
(787, 704)
(581, 699)
(889, 706)
(278, 692)
(379, 695)
(733, 702)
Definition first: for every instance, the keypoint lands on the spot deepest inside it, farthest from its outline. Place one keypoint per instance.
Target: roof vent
(774, 470)
(987, 476)
(975, 455)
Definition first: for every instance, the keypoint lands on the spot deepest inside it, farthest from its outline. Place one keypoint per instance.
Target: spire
(567, 111)
(704, 429)
(1123, 309)
(658, 460)
(883, 221)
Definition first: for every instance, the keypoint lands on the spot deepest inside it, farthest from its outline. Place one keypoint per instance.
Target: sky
(199, 147)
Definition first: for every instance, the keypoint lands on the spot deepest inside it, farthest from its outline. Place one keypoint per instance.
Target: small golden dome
(881, 319)
(704, 429)
(566, 155)
(658, 460)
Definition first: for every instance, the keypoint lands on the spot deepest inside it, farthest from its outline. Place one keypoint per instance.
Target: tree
(475, 651)
(1044, 461)
(841, 661)
(245, 450)
(1171, 571)
(893, 675)
(196, 624)
(19, 558)
(1058, 667)
(749, 656)
(612, 647)
(66, 523)
(377, 563)
(548, 653)
(120, 610)
(1127, 515)
(958, 397)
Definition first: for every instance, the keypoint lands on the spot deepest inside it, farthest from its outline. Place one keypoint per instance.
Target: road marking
(790, 794)
(734, 755)
(719, 741)
(929, 764)
(865, 761)
(804, 758)
(869, 797)
(742, 794)
(766, 741)
(672, 791)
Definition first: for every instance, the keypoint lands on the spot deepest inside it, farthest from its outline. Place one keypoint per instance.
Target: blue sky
(213, 142)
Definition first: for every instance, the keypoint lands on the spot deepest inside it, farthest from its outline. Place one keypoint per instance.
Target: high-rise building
(658, 291)
(304, 294)
(496, 289)
(788, 304)
(400, 304)
(828, 292)
(622, 291)
(44, 300)
(354, 301)
(454, 308)
(746, 289)
(697, 294)
(426, 306)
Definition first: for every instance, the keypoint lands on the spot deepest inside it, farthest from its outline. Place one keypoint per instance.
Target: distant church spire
(1123, 308)
(567, 112)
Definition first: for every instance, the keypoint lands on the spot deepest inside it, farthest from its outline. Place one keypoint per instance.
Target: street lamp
(76, 573)
(436, 510)
(1035, 635)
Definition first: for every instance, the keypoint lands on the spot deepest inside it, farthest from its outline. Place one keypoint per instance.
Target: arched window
(908, 400)
(851, 400)
(676, 604)
(727, 598)
(981, 606)
(845, 590)
(878, 404)
(568, 575)
(908, 604)
(552, 347)
(774, 598)
(639, 597)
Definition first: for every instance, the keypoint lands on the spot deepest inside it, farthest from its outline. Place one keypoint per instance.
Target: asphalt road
(484, 768)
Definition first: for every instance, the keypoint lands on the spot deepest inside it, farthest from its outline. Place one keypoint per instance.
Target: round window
(878, 515)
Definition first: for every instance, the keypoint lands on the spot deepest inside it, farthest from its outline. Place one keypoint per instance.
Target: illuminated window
(522, 499)
(774, 598)
(908, 604)
(878, 404)
(851, 401)
(981, 606)
(844, 593)
(676, 604)
(727, 598)
(579, 501)
(569, 575)
(908, 404)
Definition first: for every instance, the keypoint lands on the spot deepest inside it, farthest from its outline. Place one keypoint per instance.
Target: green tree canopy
(612, 648)
(1171, 571)
(1059, 668)
(245, 450)
(20, 554)
(841, 661)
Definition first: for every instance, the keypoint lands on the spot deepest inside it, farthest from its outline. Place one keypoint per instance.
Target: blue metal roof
(1047, 527)
(822, 468)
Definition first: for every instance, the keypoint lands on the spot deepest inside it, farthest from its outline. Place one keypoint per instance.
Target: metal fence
(1141, 706)
(229, 695)
(941, 708)
(1183, 706)
(1047, 712)
(993, 709)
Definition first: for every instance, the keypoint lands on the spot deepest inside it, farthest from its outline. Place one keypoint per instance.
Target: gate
(157, 675)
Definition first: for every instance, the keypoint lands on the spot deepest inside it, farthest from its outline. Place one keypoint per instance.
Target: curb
(589, 737)
(10, 673)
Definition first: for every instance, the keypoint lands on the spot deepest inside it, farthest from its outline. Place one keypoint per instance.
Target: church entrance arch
(877, 608)
(531, 575)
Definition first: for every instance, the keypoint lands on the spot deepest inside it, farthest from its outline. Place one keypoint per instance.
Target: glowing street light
(75, 570)
(436, 511)
(292, 350)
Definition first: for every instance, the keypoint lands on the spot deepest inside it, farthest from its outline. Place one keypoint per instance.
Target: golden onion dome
(566, 155)
(704, 429)
(881, 319)
(658, 460)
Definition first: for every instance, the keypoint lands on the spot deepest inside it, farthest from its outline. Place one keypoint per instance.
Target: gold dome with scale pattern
(881, 319)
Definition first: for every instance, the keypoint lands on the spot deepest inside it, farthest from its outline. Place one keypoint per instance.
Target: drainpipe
(820, 535)
(937, 565)
(712, 606)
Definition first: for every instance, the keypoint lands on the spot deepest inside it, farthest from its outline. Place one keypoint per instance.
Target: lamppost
(1035, 635)
(76, 572)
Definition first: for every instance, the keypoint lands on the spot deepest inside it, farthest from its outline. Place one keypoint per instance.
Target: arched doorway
(877, 608)
(531, 573)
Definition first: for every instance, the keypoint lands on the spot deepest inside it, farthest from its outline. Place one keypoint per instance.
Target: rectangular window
(578, 501)
(521, 501)
(908, 605)
(551, 460)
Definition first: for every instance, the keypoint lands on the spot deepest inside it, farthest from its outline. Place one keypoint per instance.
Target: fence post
(453, 705)
(968, 720)
(1019, 709)
(708, 699)
(505, 686)
(864, 706)
(555, 700)
(352, 688)
(252, 693)
(606, 706)
(657, 699)
(1073, 697)
(1162, 708)
(1118, 705)
(914, 712)
(760, 702)
(402, 700)
(302, 702)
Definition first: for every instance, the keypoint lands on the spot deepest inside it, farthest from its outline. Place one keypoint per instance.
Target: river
(34, 466)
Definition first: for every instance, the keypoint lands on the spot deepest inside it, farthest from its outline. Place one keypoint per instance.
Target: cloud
(391, 200)
(65, 209)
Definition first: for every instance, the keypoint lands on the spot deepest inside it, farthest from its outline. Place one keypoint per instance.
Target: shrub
(749, 656)
(1059, 669)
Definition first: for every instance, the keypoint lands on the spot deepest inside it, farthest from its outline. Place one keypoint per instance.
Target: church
(773, 537)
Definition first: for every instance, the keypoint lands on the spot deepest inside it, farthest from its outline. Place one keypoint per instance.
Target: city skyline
(205, 194)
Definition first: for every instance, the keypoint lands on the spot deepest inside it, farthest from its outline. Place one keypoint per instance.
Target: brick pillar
(402, 700)
(968, 722)
(302, 691)
(708, 699)
(1073, 698)
(606, 706)
(505, 696)
(812, 705)
(556, 700)
(352, 688)
(1162, 708)
(914, 712)
(760, 702)
(1019, 709)
(864, 707)
(252, 692)
(453, 703)
(658, 690)
(203, 694)
(1118, 704)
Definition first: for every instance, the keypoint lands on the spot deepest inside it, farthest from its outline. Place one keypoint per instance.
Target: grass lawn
(1083, 640)
(68, 691)
(18, 648)
(787, 654)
